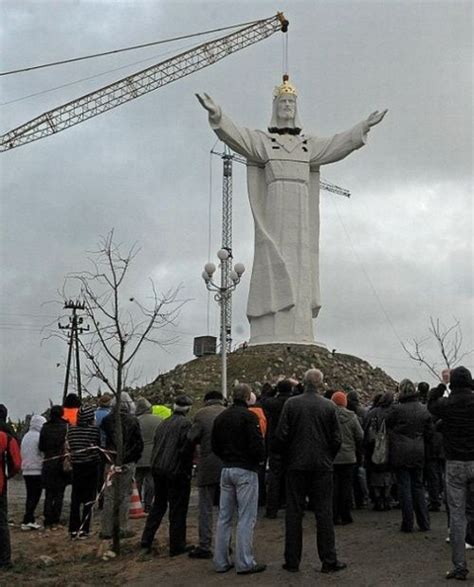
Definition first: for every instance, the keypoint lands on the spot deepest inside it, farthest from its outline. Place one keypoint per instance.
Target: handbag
(380, 454)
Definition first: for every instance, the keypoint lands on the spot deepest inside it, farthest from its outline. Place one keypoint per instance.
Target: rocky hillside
(259, 364)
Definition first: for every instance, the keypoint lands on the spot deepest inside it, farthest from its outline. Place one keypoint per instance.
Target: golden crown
(285, 88)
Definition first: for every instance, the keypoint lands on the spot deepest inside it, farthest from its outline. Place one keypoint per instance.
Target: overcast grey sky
(400, 250)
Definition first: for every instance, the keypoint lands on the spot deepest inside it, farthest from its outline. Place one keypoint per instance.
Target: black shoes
(289, 568)
(183, 550)
(271, 515)
(199, 552)
(333, 567)
(255, 569)
(459, 574)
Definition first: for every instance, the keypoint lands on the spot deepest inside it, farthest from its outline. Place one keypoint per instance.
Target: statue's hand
(208, 103)
(376, 117)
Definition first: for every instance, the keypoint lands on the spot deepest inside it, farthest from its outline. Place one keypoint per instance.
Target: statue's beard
(285, 130)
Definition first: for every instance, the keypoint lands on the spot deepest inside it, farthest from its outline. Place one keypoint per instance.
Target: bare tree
(119, 328)
(447, 342)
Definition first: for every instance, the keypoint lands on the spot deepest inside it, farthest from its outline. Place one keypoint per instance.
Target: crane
(228, 157)
(140, 83)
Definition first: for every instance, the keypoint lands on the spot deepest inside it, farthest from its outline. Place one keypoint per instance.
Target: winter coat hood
(36, 423)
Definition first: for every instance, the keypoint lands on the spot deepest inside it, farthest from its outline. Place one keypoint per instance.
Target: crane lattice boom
(140, 83)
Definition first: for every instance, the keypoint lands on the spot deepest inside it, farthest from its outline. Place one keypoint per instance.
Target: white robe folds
(283, 186)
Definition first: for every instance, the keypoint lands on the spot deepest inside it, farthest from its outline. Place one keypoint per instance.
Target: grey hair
(313, 378)
(242, 392)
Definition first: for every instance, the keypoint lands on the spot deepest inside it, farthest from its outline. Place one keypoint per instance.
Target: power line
(132, 48)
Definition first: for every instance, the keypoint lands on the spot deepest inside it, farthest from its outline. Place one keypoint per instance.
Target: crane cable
(132, 48)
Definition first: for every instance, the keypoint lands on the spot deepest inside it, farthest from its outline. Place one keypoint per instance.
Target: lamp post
(222, 293)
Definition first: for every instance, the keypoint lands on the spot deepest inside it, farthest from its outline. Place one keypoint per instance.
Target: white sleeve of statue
(335, 148)
(241, 140)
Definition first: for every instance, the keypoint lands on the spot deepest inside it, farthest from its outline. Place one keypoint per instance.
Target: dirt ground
(377, 554)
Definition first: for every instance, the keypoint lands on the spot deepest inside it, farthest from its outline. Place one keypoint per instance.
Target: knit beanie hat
(85, 415)
(339, 398)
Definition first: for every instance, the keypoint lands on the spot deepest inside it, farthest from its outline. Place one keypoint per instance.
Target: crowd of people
(297, 447)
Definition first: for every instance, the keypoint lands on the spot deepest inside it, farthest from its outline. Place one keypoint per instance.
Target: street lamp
(230, 278)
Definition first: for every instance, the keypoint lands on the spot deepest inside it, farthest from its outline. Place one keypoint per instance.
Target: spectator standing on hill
(132, 451)
(105, 406)
(31, 465)
(51, 444)
(143, 475)
(10, 464)
(171, 463)
(237, 440)
(208, 469)
(308, 437)
(457, 415)
(410, 430)
(83, 440)
(345, 460)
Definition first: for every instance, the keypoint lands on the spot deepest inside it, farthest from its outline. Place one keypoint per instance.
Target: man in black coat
(237, 440)
(171, 464)
(308, 437)
(457, 415)
(132, 451)
(410, 428)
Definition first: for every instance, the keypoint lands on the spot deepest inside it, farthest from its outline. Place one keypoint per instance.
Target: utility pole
(75, 327)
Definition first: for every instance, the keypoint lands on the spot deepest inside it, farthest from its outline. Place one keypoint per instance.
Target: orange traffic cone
(136, 509)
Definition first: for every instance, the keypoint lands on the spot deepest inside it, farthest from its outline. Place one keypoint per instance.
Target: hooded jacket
(352, 436)
(31, 456)
(457, 415)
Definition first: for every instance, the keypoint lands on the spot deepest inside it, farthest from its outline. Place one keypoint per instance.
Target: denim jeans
(459, 489)
(411, 494)
(239, 494)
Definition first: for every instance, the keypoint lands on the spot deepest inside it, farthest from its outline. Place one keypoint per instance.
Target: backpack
(380, 454)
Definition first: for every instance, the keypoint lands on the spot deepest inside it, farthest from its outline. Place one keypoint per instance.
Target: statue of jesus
(283, 185)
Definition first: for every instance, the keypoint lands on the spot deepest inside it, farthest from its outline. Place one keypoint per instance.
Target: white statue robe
(283, 186)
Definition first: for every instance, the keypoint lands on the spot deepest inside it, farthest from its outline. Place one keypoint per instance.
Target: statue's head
(285, 116)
